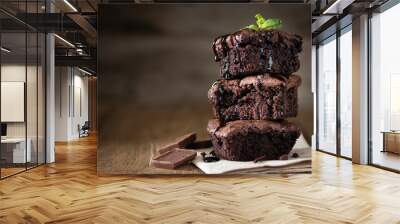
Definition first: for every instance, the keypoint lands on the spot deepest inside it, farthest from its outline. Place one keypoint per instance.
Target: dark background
(156, 65)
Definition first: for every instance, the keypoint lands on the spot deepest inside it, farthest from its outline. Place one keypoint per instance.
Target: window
(385, 89)
(346, 92)
(326, 100)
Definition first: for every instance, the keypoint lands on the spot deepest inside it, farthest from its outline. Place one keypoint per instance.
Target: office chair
(84, 130)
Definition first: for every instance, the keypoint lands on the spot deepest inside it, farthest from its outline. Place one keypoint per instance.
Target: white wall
(11, 73)
(71, 102)
(80, 112)
(16, 73)
(62, 82)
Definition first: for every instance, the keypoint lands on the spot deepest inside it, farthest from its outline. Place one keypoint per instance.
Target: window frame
(333, 37)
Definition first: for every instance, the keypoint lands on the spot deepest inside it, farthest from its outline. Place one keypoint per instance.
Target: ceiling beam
(337, 7)
(84, 24)
(49, 22)
(81, 61)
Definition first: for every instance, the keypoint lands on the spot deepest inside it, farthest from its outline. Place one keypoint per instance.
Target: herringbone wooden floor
(69, 191)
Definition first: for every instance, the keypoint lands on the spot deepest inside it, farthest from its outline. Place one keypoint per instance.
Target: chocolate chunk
(167, 148)
(180, 142)
(173, 159)
(186, 140)
(211, 157)
(200, 144)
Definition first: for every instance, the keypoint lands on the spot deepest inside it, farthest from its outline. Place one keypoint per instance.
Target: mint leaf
(253, 27)
(265, 24)
(259, 20)
(271, 24)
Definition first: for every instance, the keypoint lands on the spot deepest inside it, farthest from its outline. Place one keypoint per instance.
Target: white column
(360, 90)
(50, 100)
(50, 92)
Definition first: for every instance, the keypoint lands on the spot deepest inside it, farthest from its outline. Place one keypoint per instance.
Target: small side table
(391, 141)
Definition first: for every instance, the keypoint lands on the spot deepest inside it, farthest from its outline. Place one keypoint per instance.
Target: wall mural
(204, 89)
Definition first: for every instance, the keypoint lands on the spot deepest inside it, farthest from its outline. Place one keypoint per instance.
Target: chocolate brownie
(291, 103)
(248, 52)
(259, 97)
(251, 139)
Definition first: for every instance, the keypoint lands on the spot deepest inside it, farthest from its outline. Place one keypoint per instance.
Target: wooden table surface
(130, 152)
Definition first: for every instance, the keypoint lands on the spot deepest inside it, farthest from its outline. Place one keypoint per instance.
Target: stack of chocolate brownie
(256, 93)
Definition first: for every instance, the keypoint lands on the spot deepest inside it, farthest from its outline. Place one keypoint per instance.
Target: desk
(13, 150)
(391, 141)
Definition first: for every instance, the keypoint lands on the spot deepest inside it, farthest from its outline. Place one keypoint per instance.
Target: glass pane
(327, 96)
(13, 89)
(346, 94)
(41, 98)
(31, 86)
(31, 97)
(385, 84)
